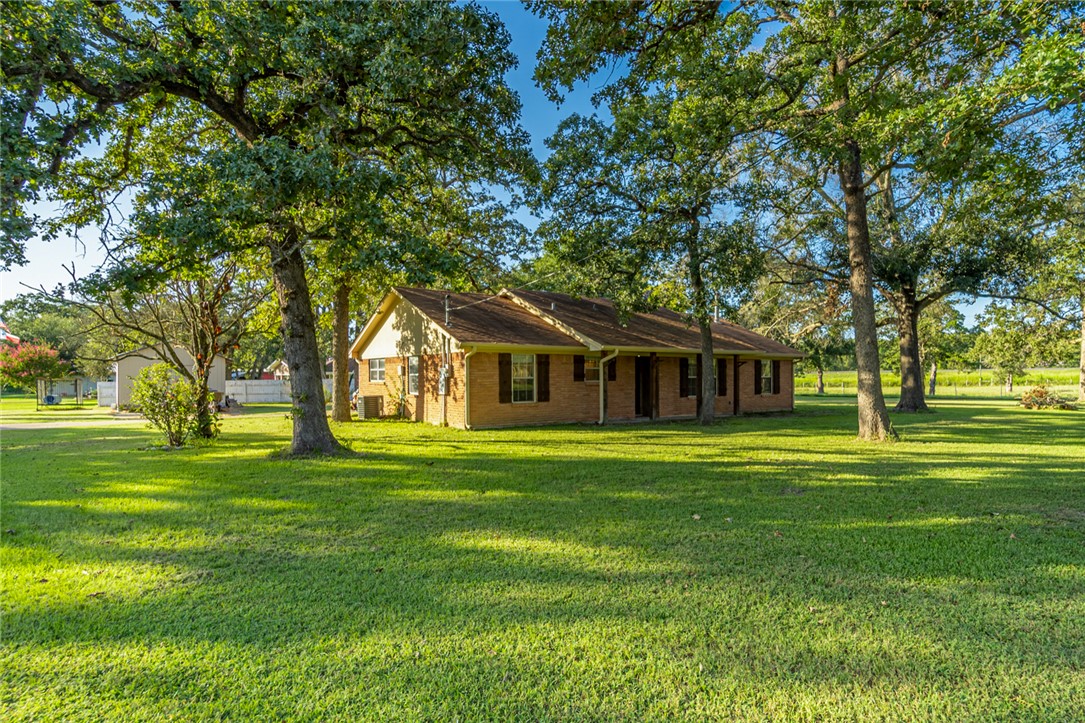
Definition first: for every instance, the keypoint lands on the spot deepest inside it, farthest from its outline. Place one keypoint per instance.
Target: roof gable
(473, 320)
(543, 319)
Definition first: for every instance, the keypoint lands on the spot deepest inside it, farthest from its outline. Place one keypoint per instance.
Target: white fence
(107, 394)
(258, 391)
(264, 391)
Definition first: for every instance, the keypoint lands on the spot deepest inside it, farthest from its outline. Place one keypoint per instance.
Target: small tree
(22, 365)
(1017, 336)
(168, 402)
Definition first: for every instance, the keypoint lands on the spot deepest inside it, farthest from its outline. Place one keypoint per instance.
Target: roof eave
(527, 348)
(690, 350)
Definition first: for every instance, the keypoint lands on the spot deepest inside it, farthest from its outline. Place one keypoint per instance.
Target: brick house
(534, 357)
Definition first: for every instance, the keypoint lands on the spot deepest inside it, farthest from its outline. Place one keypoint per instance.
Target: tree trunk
(821, 381)
(311, 431)
(911, 371)
(706, 411)
(1009, 383)
(341, 352)
(873, 415)
(201, 333)
(205, 415)
(933, 380)
(1081, 360)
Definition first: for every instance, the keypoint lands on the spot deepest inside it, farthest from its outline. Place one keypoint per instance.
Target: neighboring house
(352, 372)
(277, 370)
(127, 367)
(532, 357)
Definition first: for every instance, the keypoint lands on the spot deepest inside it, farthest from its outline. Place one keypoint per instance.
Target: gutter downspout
(445, 371)
(467, 388)
(603, 387)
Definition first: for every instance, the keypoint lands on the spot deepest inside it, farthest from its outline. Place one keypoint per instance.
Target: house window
(412, 375)
(766, 377)
(591, 370)
(693, 384)
(376, 370)
(523, 377)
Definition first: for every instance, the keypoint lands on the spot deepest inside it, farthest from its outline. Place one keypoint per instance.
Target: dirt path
(74, 423)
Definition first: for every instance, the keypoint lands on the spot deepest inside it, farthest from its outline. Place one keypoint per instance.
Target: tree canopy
(848, 91)
(255, 125)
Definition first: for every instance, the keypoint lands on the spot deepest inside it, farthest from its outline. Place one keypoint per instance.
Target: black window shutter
(756, 376)
(578, 367)
(542, 377)
(504, 378)
(683, 377)
(776, 376)
(721, 377)
(697, 390)
(612, 370)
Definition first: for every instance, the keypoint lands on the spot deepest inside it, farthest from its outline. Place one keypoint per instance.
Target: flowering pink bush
(23, 364)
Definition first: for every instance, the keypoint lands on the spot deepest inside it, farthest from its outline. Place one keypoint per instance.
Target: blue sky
(540, 118)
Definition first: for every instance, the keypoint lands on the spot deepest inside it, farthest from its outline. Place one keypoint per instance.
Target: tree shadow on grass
(780, 563)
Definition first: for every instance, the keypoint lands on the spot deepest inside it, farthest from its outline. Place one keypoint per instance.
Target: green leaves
(642, 203)
(169, 402)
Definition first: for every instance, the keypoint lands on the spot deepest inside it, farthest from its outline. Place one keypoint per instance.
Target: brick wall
(671, 405)
(429, 388)
(750, 402)
(621, 399)
(426, 405)
(569, 401)
(389, 388)
(725, 404)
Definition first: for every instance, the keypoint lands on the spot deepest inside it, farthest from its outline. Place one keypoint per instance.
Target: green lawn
(764, 568)
(952, 383)
(20, 409)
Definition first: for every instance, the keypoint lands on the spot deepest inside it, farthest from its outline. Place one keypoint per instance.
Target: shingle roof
(486, 319)
(597, 319)
(520, 317)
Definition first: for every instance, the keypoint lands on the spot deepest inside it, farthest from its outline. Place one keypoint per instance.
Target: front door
(643, 390)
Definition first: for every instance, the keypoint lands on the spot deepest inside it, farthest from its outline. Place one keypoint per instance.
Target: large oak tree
(291, 104)
(637, 201)
(837, 85)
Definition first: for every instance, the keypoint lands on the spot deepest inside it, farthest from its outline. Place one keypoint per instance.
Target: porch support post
(603, 386)
(653, 385)
(735, 386)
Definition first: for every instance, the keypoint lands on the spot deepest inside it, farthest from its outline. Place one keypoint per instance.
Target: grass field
(982, 384)
(763, 568)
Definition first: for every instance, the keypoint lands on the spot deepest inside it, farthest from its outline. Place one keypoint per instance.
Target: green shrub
(1040, 397)
(168, 402)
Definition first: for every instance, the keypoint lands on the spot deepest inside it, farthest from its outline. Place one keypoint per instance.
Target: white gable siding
(406, 332)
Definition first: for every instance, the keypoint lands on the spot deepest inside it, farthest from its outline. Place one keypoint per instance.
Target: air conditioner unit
(371, 407)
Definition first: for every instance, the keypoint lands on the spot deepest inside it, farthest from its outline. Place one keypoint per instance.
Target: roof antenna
(447, 310)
